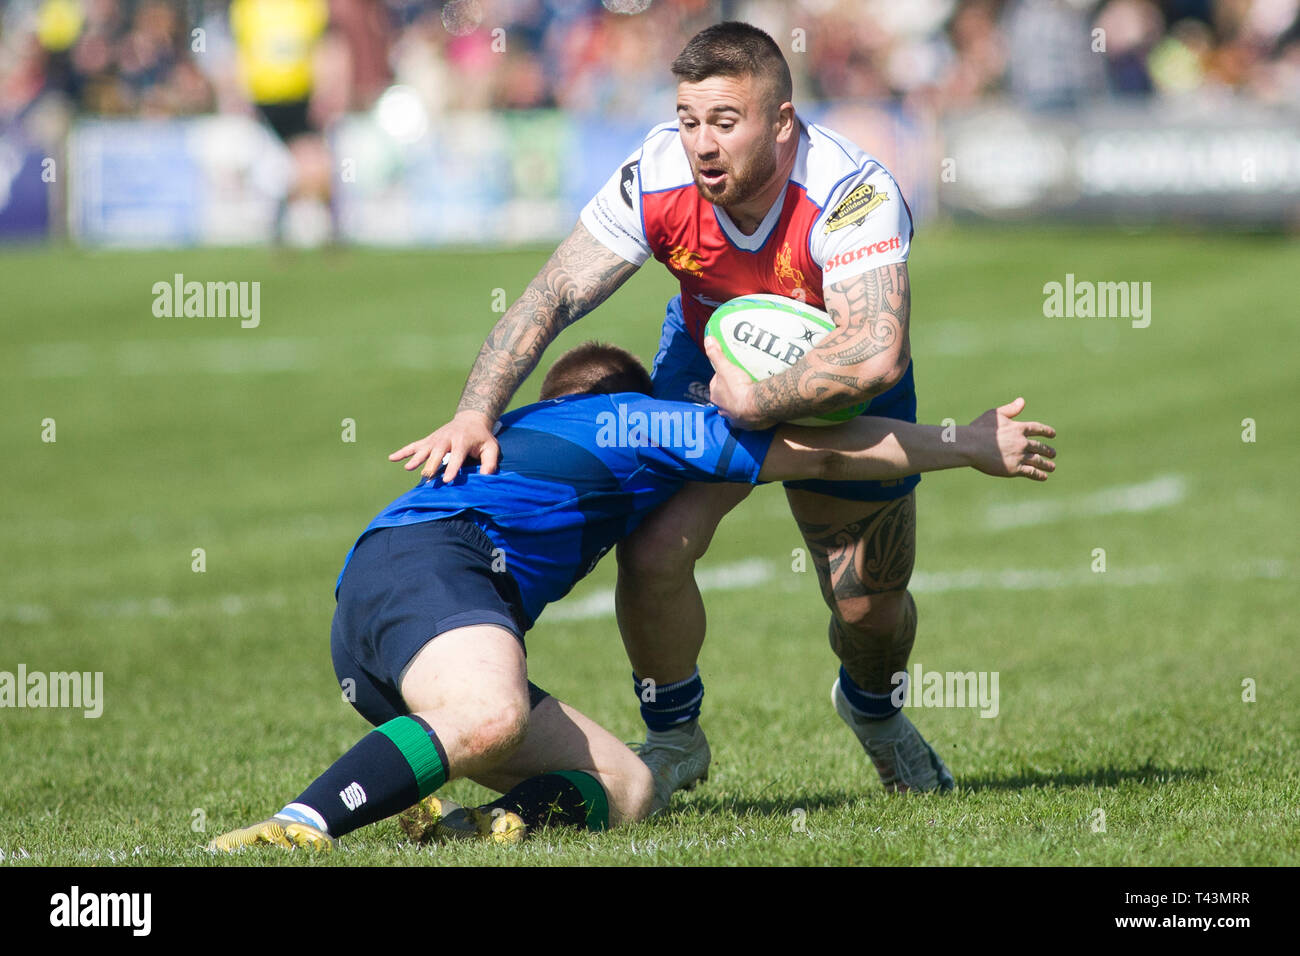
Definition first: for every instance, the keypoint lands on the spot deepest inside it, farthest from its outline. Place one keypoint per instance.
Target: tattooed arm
(580, 275)
(865, 355)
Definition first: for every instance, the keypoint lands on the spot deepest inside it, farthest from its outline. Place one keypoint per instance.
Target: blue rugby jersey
(577, 475)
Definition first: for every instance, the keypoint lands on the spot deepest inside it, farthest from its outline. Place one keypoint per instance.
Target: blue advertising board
(25, 182)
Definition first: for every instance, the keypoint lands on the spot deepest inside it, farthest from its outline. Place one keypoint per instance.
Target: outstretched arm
(877, 449)
(580, 275)
(870, 448)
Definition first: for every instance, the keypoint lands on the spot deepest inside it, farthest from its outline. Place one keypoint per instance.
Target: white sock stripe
(665, 688)
(301, 809)
(669, 711)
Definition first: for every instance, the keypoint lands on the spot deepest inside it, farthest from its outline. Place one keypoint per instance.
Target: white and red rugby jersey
(841, 214)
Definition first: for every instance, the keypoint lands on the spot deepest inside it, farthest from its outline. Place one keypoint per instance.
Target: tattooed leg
(864, 555)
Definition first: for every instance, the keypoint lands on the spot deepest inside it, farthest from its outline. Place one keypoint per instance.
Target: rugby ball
(766, 334)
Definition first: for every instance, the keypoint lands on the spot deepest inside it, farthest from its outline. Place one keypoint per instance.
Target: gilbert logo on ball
(766, 334)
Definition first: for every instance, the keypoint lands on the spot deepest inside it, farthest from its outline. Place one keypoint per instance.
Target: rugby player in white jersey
(741, 196)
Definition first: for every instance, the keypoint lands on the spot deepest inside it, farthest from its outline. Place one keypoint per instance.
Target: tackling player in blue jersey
(437, 593)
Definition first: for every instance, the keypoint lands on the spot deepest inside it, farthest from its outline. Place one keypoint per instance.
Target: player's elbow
(875, 463)
(876, 375)
(883, 372)
(834, 465)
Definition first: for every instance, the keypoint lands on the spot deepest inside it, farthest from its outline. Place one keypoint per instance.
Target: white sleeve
(865, 225)
(614, 214)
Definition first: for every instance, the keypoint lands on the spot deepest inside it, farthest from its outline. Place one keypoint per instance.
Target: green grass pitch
(1122, 735)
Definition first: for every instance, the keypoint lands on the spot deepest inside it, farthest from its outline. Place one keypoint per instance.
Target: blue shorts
(403, 587)
(682, 372)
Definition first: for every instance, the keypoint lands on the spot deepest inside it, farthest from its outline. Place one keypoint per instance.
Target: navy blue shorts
(682, 372)
(403, 587)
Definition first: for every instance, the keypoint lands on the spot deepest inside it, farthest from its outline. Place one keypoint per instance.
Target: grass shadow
(1110, 776)
(703, 802)
(776, 805)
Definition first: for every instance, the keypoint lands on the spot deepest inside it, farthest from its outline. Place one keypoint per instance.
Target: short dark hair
(736, 49)
(594, 368)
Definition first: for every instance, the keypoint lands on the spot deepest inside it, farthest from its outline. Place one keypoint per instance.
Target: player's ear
(785, 124)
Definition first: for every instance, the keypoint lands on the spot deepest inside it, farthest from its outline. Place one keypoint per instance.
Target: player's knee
(499, 728)
(660, 551)
(640, 793)
(871, 615)
(631, 791)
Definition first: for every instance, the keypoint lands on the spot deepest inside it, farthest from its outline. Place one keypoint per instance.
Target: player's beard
(744, 183)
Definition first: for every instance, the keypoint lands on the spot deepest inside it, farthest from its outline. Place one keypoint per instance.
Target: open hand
(1006, 448)
(468, 435)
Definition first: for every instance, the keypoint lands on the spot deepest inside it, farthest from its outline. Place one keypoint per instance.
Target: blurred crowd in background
(182, 57)
(445, 121)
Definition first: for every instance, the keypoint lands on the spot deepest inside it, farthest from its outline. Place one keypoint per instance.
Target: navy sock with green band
(564, 798)
(391, 768)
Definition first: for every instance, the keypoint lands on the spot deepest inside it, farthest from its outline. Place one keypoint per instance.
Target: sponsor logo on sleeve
(604, 216)
(862, 252)
(855, 207)
(627, 182)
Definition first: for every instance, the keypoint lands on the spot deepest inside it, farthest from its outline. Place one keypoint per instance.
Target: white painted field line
(1162, 492)
(739, 576)
(593, 607)
(249, 354)
(1020, 579)
(747, 574)
(731, 577)
(163, 357)
(750, 574)
(155, 607)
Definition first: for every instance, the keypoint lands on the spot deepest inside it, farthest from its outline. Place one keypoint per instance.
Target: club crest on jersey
(681, 259)
(855, 207)
(786, 273)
